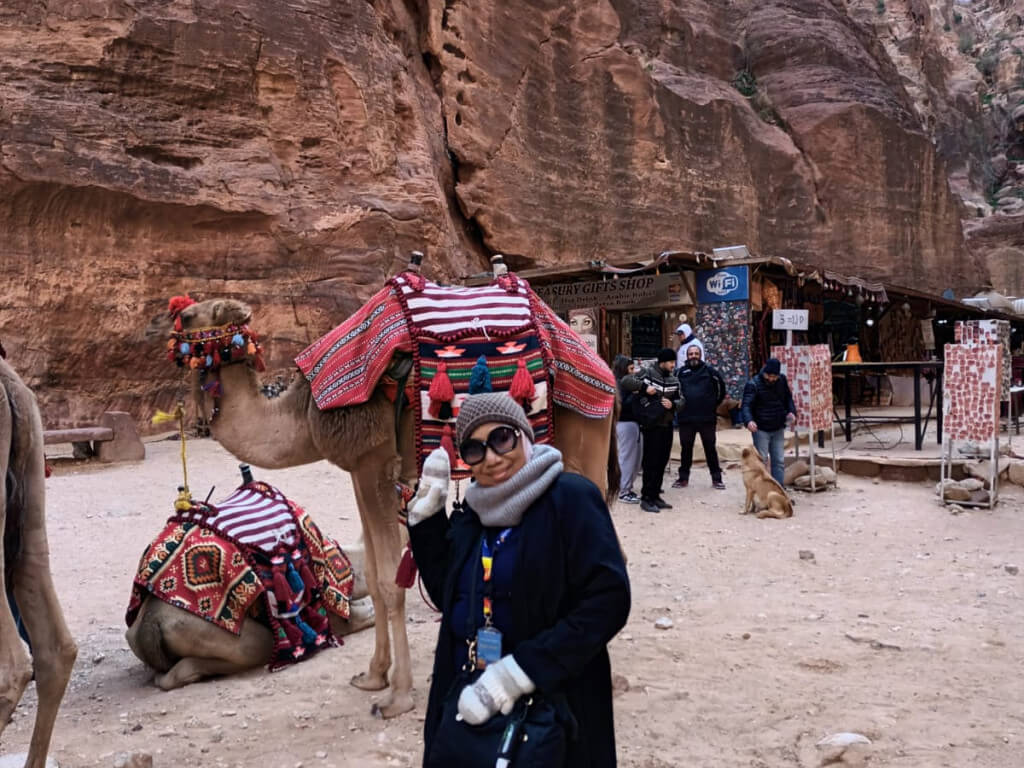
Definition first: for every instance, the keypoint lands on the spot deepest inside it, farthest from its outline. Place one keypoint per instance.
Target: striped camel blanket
(499, 337)
(256, 555)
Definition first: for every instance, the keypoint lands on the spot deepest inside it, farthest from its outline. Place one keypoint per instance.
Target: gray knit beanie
(497, 407)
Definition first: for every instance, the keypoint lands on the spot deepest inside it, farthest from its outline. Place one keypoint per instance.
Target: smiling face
(495, 468)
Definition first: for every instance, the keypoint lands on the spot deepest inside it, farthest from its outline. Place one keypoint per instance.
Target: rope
(184, 500)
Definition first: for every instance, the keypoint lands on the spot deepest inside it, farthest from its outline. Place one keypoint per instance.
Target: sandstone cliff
(293, 153)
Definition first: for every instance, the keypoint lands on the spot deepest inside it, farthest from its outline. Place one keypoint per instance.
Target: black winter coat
(650, 413)
(627, 399)
(703, 389)
(767, 404)
(573, 599)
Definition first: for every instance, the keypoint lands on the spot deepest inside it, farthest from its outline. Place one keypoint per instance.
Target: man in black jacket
(703, 389)
(767, 408)
(658, 399)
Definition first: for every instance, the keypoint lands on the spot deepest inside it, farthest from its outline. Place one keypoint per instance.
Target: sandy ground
(768, 653)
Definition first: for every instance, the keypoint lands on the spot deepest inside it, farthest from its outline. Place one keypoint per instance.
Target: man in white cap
(686, 340)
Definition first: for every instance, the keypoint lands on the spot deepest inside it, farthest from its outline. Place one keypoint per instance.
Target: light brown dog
(762, 489)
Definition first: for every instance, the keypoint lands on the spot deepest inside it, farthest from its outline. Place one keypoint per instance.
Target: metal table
(917, 367)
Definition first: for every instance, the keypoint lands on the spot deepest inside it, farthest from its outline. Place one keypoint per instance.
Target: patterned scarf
(503, 505)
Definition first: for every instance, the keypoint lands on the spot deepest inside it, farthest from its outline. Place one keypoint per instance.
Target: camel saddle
(500, 337)
(256, 554)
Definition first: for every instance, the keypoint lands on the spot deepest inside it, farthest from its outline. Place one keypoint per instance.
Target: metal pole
(848, 426)
(918, 437)
(835, 462)
(810, 449)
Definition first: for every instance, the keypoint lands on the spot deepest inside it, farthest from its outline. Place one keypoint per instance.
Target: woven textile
(194, 569)
(195, 564)
(441, 311)
(256, 515)
(502, 359)
(583, 382)
(344, 366)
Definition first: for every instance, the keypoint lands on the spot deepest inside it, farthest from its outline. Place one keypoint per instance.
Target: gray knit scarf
(503, 505)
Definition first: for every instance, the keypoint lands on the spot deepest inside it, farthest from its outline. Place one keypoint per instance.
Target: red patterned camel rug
(499, 337)
(255, 555)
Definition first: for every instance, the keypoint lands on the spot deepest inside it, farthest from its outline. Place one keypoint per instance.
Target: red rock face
(605, 129)
(292, 154)
(288, 155)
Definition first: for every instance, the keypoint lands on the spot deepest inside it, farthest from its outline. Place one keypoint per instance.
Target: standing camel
(26, 569)
(364, 440)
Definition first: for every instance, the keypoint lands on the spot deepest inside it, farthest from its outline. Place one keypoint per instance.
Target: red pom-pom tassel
(522, 389)
(282, 591)
(449, 445)
(441, 394)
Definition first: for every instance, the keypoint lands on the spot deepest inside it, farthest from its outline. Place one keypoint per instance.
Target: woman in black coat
(560, 590)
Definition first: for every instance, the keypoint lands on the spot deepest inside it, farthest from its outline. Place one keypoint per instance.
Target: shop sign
(638, 292)
(790, 319)
(725, 284)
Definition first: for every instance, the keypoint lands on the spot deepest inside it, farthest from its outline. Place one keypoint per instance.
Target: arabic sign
(639, 292)
(725, 284)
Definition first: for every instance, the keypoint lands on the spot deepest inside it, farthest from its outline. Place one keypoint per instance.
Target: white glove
(496, 690)
(432, 493)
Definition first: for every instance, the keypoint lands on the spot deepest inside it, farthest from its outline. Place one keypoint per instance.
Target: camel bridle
(207, 350)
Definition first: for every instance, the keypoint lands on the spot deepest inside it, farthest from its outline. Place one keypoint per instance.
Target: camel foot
(165, 682)
(364, 681)
(393, 707)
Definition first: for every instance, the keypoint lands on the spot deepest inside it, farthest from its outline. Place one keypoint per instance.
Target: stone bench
(114, 439)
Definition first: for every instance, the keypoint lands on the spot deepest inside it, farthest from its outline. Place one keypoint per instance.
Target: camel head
(212, 333)
(215, 313)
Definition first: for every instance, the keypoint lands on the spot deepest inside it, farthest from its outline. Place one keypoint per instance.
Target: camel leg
(53, 649)
(385, 539)
(376, 678)
(15, 664)
(192, 670)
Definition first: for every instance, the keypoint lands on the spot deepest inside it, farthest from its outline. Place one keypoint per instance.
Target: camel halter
(207, 349)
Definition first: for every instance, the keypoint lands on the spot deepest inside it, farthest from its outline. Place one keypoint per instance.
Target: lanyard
(487, 559)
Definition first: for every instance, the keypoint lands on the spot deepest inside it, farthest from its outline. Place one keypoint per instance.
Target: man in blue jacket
(767, 408)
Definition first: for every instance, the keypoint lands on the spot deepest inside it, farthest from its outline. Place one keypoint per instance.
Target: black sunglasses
(501, 440)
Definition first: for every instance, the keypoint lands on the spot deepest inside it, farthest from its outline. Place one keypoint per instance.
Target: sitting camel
(289, 430)
(26, 570)
(184, 648)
